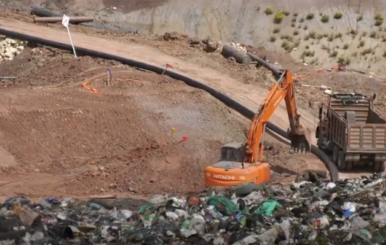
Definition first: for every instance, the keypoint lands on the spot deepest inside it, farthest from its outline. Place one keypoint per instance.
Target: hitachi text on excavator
(243, 162)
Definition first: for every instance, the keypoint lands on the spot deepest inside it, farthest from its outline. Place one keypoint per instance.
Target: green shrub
(378, 19)
(310, 16)
(278, 17)
(268, 11)
(360, 17)
(325, 18)
(338, 15)
(366, 51)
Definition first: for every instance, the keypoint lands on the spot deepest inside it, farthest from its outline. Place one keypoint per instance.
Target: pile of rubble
(9, 48)
(306, 212)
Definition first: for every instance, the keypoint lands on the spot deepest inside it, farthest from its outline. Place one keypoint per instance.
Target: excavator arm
(300, 138)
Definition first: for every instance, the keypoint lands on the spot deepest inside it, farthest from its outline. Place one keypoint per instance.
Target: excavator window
(232, 153)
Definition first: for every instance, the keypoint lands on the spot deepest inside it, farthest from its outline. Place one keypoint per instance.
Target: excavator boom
(300, 138)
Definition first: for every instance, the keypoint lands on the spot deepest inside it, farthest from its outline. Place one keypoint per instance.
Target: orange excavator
(243, 162)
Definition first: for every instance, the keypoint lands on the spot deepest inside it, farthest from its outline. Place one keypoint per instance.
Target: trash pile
(9, 48)
(317, 212)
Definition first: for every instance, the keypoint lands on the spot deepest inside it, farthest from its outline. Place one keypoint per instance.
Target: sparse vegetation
(361, 44)
(330, 38)
(268, 11)
(344, 60)
(296, 33)
(378, 19)
(278, 17)
(334, 54)
(308, 53)
(272, 39)
(310, 16)
(305, 28)
(373, 34)
(360, 17)
(319, 36)
(286, 13)
(301, 20)
(325, 18)
(338, 15)
(338, 35)
(384, 53)
(314, 62)
(292, 25)
(293, 20)
(353, 32)
(324, 47)
(345, 46)
(286, 37)
(276, 30)
(366, 51)
(286, 46)
(295, 14)
(312, 34)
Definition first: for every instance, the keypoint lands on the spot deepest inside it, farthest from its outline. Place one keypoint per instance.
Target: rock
(9, 48)
(211, 46)
(171, 36)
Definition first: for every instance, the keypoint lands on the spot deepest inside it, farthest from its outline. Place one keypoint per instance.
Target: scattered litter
(344, 212)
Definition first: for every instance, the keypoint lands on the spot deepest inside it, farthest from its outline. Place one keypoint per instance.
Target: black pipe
(276, 72)
(42, 12)
(189, 81)
(229, 51)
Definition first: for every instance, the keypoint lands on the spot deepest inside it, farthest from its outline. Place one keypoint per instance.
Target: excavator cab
(231, 169)
(234, 152)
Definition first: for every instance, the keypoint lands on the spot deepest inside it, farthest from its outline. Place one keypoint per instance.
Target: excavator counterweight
(243, 162)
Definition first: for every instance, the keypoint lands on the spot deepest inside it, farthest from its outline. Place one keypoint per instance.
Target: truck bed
(368, 134)
(366, 137)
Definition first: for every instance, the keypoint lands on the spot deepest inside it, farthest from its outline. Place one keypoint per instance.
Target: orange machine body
(243, 162)
(232, 173)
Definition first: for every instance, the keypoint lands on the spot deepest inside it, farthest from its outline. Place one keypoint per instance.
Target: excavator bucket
(301, 140)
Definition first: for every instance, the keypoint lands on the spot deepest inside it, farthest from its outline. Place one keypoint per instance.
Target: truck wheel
(379, 167)
(341, 163)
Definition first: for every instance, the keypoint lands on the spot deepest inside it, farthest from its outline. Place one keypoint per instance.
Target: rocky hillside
(318, 32)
